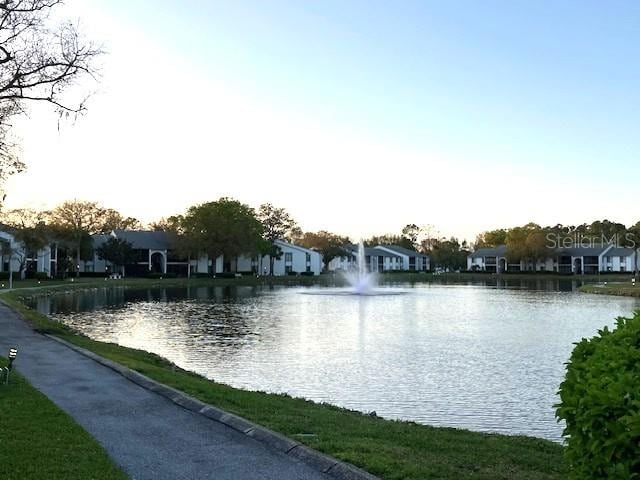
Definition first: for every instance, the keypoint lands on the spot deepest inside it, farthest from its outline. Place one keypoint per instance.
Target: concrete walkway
(148, 436)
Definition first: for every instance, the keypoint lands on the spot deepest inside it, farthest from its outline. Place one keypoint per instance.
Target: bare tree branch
(38, 63)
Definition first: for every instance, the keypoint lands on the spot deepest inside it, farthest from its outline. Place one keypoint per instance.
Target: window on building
(288, 257)
(288, 269)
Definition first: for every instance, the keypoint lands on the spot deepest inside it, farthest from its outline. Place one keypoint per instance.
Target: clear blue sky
(542, 96)
(553, 83)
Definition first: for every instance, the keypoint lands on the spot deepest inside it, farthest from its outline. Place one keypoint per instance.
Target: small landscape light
(13, 353)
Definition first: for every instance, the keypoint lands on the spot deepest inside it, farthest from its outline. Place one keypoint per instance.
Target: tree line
(534, 242)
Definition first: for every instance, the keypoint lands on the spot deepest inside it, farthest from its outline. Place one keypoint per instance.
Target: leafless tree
(40, 62)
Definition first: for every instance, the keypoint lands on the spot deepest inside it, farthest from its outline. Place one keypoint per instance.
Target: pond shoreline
(322, 280)
(391, 449)
(617, 289)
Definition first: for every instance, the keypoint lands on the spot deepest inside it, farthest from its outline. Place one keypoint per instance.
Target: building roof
(403, 251)
(372, 251)
(577, 251)
(145, 239)
(498, 251)
(99, 239)
(620, 252)
(298, 247)
(581, 251)
(378, 252)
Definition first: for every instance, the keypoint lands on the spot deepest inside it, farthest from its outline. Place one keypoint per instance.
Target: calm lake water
(477, 357)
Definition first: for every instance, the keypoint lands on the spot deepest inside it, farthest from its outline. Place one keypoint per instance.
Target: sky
(358, 117)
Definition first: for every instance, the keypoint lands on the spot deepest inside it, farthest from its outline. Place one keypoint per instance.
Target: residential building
(492, 259)
(411, 260)
(381, 258)
(293, 259)
(154, 252)
(14, 255)
(620, 260)
(576, 260)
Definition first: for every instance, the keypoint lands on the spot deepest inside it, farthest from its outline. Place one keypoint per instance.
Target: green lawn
(390, 449)
(40, 441)
(625, 289)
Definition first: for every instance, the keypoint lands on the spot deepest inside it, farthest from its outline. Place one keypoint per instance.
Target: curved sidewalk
(147, 435)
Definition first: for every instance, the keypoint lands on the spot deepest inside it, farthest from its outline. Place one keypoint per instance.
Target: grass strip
(390, 449)
(626, 289)
(38, 440)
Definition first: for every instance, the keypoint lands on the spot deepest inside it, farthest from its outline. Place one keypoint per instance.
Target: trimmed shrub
(600, 403)
(94, 274)
(292, 274)
(306, 274)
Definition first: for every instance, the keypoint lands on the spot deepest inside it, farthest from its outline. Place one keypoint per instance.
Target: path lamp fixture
(13, 353)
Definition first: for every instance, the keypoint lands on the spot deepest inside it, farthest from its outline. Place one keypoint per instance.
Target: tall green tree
(411, 233)
(516, 240)
(606, 231)
(74, 221)
(224, 227)
(389, 239)
(117, 251)
(537, 245)
(328, 244)
(277, 224)
(114, 220)
(491, 238)
(449, 254)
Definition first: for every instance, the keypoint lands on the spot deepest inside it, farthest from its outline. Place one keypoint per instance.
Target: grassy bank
(626, 289)
(391, 449)
(38, 440)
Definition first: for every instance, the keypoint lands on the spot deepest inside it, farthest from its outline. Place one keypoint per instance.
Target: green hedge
(600, 403)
